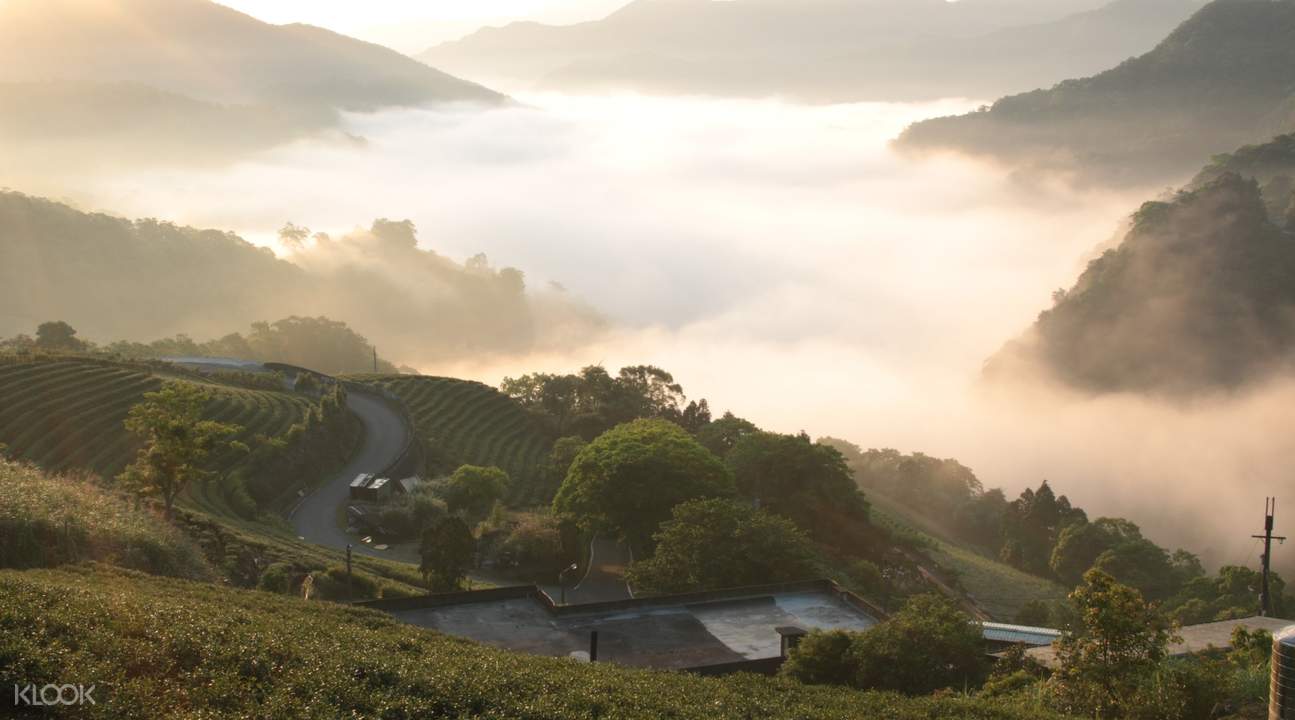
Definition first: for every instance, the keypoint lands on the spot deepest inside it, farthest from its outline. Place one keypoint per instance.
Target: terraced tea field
(67, 414)
(475, 424)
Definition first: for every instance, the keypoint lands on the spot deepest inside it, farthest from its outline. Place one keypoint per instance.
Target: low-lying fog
(781, 261)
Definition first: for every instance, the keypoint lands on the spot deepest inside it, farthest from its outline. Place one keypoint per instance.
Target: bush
(534, 546)
(926, 646)
(278, 578)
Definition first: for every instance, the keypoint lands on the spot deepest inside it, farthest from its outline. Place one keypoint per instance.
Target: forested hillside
(1223, 78)
(1199, 296)
(140, 280)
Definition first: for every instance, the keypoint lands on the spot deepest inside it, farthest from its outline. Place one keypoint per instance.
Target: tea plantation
(173, 648)
(66, 413)
(467, 422)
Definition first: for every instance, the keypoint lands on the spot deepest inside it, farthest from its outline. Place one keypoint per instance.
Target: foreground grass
(47, 521)
(998, 588)
(171, 648)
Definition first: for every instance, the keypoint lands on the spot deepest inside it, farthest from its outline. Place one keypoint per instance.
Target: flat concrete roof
(1194, 638)
(684, 631)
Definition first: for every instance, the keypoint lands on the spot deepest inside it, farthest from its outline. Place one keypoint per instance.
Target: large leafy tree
(799, 479)
(1031, 526)
(176, 441)
(723, 543)
(628, 480)
(473, 490)
(445, 553)
(1120, 641)
(58, 335)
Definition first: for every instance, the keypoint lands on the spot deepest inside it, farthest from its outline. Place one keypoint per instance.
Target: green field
(172, 648)
(475, 424)
(999, 589)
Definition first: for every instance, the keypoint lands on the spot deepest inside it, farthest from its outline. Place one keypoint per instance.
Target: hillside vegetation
(137, 280)
(1200, 295)
(148, 643)
(67, 413)
(1223, 78)
(465, 422)
(46, 521)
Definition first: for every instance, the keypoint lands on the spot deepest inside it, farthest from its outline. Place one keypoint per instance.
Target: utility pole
(375, 360)
(350, 595)
(1270, 508)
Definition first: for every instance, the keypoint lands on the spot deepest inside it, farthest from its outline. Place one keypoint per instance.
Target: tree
(293, 237)
(798, 479)
(721, 435)
(1031, 526)
(446, 553)
(719, 543)
(1120, 641)
(1080, 544)
(928, 645)
(58, 335)
(473, 490)
(177, 441)
(628, 480)
(555, 467)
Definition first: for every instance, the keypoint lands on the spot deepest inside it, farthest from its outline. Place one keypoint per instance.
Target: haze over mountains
(183, 81)
(1223, 79)
(820, 50)
(145, 279)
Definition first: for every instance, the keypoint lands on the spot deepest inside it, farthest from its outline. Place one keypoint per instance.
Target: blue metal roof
(1023, 634)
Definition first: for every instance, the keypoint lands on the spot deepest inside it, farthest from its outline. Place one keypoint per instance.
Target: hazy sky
(414, 26)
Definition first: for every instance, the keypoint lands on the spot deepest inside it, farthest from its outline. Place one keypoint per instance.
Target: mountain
(823, 50)
(106, 84)
(1199, 296)
(1225, 76)
(140, 280)
(213, 53)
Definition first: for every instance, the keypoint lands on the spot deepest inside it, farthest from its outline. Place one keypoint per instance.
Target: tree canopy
(720, 543)
(473, 490)
(790, 475)
(177, 441)
(628, 480)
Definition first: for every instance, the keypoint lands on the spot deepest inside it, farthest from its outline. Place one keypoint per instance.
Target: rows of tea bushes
(160, 647)
(467, 422)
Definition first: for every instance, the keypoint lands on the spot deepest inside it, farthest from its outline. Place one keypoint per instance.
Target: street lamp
(562, 583)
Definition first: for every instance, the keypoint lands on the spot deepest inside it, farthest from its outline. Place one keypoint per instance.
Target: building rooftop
(678, 631)
(1193, 638)
(1020, 634)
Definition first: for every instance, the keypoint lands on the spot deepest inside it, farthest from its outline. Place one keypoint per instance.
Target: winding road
(385, 435)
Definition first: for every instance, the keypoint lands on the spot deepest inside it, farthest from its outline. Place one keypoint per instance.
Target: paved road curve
(384, 439)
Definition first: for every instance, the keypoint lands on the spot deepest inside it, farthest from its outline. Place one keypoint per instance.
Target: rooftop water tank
(1281, 695)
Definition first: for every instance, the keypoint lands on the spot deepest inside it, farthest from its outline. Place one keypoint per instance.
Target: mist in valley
(780, 259)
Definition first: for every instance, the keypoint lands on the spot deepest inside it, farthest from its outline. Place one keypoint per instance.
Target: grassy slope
(47, 521)
(469, 422)
(1001, 590)
(159, 647)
